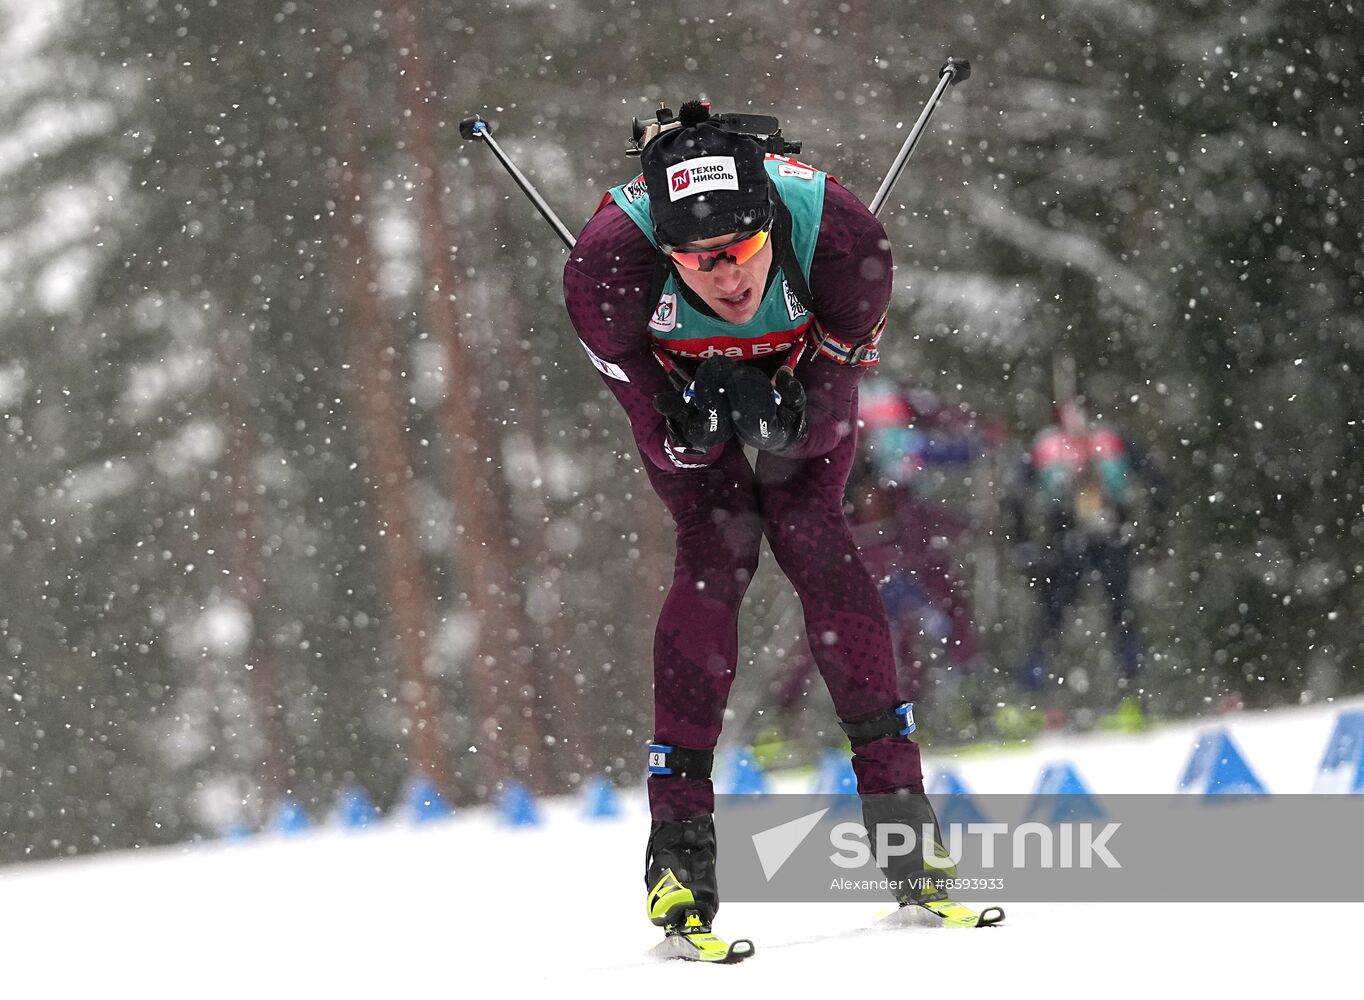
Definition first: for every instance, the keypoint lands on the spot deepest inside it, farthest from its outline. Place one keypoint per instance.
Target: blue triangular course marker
(835, 775)
(517, 806)
(1062, 797)
(952, 800)
(422, 801)
(354, 808)
(744, 775)
(1342, 766)
(600, 800)
(948, 782)
(290, 818)
(1216, 767)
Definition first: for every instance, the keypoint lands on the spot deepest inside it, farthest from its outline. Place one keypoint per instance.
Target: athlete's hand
(791, 405)
(699, 415)
(768, 414)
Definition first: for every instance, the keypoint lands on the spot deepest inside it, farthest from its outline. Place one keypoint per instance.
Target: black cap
(704, 181)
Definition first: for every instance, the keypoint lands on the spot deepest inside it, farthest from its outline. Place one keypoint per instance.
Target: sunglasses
(740, 250)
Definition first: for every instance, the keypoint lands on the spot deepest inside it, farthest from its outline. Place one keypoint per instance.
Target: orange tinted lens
(745, 250)
(740, 252)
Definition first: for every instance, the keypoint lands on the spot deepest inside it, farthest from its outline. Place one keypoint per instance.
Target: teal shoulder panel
(802, 189)
(633, 198)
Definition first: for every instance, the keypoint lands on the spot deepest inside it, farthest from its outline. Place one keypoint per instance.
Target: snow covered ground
(468, 907)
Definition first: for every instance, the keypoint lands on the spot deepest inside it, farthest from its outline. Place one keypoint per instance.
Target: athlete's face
(733, 290)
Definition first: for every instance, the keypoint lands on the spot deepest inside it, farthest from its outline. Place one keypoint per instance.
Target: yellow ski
(687, 934)
(941, 913)
(694, 942)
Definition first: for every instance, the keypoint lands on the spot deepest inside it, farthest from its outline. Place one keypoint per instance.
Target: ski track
(448, 909)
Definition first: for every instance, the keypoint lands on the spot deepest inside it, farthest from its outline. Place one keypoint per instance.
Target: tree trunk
(484, 551)
(379, 402)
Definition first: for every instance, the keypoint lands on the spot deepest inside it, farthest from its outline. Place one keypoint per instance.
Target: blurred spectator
(907, 542)
(1084, 496)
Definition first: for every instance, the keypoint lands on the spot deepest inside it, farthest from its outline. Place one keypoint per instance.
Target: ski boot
(683, 897)
(918, 877)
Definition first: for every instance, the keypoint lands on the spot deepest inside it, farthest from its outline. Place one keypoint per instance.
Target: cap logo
(705, 173)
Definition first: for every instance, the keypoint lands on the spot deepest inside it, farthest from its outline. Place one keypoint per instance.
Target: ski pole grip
(474, 127)
(958, 69)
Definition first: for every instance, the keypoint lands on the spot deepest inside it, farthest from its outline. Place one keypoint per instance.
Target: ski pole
(953, 71)
(477, 128)
(676, 375)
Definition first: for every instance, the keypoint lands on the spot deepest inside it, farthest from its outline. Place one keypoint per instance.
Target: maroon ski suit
(722, 506)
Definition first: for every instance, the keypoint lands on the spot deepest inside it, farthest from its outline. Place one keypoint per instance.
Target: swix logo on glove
(705, 173)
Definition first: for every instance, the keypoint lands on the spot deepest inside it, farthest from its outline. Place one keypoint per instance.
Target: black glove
(792, 405)
(768, 414)
(699, 415)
